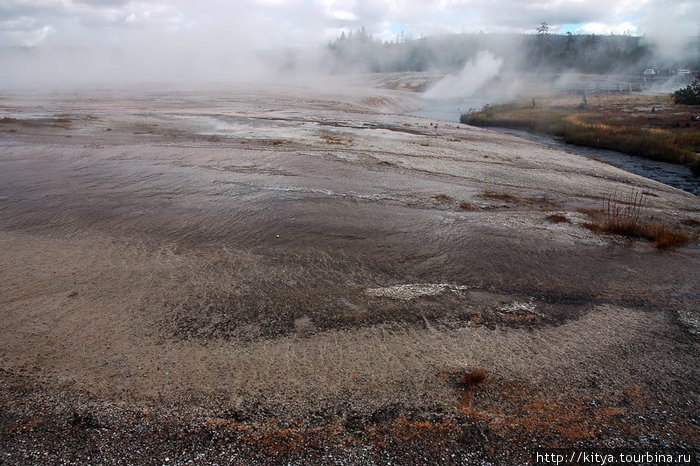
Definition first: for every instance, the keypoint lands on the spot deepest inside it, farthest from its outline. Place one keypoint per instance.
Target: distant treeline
(359, 51)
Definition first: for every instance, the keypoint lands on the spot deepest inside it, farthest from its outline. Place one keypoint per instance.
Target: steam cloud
(77, 43)
(475, 74)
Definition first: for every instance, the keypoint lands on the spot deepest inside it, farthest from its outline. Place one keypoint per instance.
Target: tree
(543, 45)
(689, 95)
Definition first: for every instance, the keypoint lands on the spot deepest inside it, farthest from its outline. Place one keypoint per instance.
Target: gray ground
(287, 262)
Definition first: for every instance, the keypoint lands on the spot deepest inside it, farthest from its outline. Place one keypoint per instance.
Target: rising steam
(476, 74)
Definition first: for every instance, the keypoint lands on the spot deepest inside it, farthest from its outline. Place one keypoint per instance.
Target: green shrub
(689, 95)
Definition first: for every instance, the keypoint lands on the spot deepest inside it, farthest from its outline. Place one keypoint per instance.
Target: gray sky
(281, 23)
(75, 42)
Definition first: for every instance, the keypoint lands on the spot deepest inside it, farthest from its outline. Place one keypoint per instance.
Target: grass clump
(465, 205)
(472, 378)
(557, 218)
(668, 237)
(624, 218)
(443, 198)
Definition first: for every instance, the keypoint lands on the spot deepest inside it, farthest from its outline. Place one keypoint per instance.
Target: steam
(48, 44)
(668, 30)
(474, 76)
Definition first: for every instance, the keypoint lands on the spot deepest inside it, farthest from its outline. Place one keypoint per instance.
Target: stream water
(678, 176)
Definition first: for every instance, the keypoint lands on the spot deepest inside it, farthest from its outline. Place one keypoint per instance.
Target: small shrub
(689, 95)
(464, 205)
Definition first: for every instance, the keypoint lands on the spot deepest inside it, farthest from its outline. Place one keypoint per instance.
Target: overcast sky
(78, 42)
(274, 23)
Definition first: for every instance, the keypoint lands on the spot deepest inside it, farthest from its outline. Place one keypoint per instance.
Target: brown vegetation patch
(521, 414)
(465, 205)
(472, 378)
(330, 138)
(624, 218)
(557, 218)
(443, 198)
(666, 236)
(434, 434)
(589, 212)
(500, 196)
(614, 123)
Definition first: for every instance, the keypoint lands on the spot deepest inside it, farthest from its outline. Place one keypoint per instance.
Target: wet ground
(678, 176)
(250, 273)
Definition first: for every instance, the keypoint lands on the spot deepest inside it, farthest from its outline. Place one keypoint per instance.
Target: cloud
(219, 37)
(305, 22)
(604, 29)
(671, 25)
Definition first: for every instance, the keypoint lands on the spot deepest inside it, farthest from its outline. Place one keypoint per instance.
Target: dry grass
(668, 237)
(472, 378)
(616, 124)
(330, 138)
(425, 431)
(465, 205)
(624, 218)
(443, 198)
(557, 218)
(500, 196)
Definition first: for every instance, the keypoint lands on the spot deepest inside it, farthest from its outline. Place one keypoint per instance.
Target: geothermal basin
(286, 274)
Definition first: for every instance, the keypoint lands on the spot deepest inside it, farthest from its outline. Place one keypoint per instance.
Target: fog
(475, 74)
(53, 44)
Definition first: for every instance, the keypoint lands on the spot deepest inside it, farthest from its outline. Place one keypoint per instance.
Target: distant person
(534, 105)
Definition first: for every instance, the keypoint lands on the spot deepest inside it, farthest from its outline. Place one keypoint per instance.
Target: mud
(304, 257)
